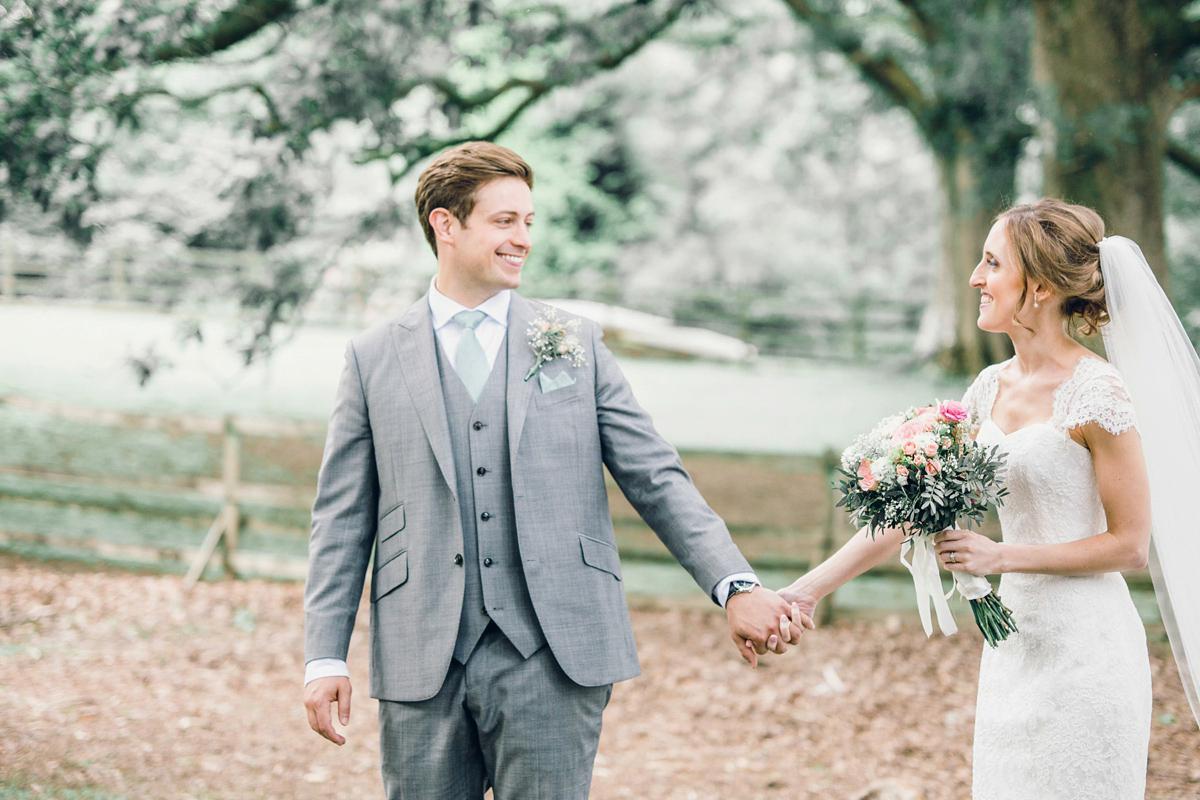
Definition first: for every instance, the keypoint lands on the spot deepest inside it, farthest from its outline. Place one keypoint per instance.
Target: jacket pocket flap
(600, 555)
(391, 523)
(390, 576)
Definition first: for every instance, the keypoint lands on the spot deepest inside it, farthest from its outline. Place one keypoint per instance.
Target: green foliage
(969, 480)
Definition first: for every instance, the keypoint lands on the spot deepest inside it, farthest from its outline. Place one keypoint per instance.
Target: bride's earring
(1035, 302)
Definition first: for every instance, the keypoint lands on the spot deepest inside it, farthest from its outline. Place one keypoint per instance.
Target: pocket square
(549, 384)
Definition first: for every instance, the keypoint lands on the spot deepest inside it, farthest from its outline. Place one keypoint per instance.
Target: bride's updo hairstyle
(1056, 244)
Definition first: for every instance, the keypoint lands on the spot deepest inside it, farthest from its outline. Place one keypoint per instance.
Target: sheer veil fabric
(1147, 344)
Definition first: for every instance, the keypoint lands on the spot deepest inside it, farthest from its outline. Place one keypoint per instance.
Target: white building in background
(639, 333)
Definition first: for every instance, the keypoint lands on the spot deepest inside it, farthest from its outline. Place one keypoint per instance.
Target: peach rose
(909, 447)
(866, 478)
(932, 467)
(919, 459)
(922, 423)
(931, 450)
(901, 471)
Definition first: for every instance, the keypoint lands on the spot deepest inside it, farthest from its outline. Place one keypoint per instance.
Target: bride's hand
(803, 603)
(965, 551)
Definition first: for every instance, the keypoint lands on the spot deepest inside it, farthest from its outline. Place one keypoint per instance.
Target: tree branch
(883, 71)
(1184, 158)
(415, 150)
(921, 24)
(232, 26)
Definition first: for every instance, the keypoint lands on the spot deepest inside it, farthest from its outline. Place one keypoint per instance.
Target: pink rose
(922, 423)
(919, 460)
(562, 348)
(909, 447)
(543, 325)
(866, 478)
(946, 443)
(902, 470)
(931, 450)
(953, 411)
(932, 467)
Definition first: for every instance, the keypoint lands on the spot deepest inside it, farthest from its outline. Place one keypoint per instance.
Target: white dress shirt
(490, 333)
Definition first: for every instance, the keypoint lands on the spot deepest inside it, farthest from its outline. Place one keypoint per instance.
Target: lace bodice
(1064, 704)
(1094, 392)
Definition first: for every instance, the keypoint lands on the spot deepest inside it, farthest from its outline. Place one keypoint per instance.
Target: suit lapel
(520, 359)
(415, 342)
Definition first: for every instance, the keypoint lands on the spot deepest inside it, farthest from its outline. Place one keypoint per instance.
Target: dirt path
(128, 684)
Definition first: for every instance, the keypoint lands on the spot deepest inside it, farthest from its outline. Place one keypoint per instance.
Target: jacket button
(485, 516)
(458, 559)
(487, 562)
(481, 471)
(478, 425)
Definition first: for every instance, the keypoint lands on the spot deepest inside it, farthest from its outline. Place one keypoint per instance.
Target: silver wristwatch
(739, 587)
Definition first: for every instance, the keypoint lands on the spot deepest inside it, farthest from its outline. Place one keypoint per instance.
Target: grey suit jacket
(387, 482)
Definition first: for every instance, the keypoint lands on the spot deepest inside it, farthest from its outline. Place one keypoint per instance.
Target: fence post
(232, 470)
(829, 464)
(229, 520)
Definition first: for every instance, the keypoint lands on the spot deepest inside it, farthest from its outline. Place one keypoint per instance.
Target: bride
(1064, 705)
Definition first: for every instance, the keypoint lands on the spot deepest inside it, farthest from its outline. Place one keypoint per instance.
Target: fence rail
(171, 492)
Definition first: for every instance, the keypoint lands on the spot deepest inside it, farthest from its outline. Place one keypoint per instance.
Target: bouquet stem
(994, 619)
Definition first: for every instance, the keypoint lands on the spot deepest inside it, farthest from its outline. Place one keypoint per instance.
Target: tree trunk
(1106, 85)
(976, 185)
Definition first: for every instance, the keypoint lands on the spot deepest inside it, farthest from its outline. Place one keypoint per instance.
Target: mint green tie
(470, 362)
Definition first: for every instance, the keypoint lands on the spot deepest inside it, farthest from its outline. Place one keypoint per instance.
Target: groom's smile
(484, 253)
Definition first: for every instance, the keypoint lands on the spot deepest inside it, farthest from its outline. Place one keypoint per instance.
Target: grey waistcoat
(495, 583)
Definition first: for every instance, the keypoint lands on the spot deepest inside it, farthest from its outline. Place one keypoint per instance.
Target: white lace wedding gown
(1064, 705)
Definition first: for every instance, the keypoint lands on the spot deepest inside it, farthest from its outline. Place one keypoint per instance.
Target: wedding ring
(952, 558)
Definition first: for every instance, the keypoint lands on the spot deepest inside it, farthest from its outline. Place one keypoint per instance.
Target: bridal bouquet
(921, 472)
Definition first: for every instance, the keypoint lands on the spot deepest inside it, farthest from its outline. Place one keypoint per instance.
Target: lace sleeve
(1098, 396)
(979, 396)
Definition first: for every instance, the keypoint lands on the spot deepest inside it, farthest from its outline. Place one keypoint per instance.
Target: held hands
(760, 620)
(319, 696)
(965, 551)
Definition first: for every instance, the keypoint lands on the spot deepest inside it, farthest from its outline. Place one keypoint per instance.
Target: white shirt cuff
(721, 593)
(327, 668)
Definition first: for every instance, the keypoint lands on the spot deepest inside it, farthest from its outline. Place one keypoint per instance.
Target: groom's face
(491, 245)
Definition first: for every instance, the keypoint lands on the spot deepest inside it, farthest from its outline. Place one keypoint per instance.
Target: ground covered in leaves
(124, 685)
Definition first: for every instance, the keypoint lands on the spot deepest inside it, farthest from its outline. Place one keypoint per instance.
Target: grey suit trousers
(522, 720)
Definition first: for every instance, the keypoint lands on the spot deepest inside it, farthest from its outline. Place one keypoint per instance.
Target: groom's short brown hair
(452, 180)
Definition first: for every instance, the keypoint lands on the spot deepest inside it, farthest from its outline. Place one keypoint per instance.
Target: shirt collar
(444, 309)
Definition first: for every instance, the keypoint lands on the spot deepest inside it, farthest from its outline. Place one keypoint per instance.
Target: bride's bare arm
(1125, 493)
(854, 558)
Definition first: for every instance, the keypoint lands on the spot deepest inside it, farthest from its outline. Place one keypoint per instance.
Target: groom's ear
(443, 223)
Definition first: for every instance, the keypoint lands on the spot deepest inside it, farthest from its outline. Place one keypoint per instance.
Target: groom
(474, 473)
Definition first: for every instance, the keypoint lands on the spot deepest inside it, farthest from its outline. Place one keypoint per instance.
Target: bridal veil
(1146, 342)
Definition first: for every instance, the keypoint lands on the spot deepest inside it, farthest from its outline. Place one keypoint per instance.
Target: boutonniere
(551, 338)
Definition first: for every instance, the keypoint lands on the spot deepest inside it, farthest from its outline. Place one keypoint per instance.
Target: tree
(1112, 73)
(401, 79)
(961, 70)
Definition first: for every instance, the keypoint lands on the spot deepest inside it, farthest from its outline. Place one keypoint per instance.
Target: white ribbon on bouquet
(927, 580)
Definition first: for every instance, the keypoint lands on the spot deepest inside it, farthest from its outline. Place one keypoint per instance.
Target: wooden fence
(168, 492)
(87, 483)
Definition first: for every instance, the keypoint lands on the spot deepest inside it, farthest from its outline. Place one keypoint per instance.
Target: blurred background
(772, 206)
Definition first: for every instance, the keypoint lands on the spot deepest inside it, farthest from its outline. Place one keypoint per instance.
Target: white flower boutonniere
(551, 337)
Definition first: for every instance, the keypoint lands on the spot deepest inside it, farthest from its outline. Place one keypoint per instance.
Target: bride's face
(999, 282)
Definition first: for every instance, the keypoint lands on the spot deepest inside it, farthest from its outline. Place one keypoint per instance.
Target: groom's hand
(319, 696)
(757, 623)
